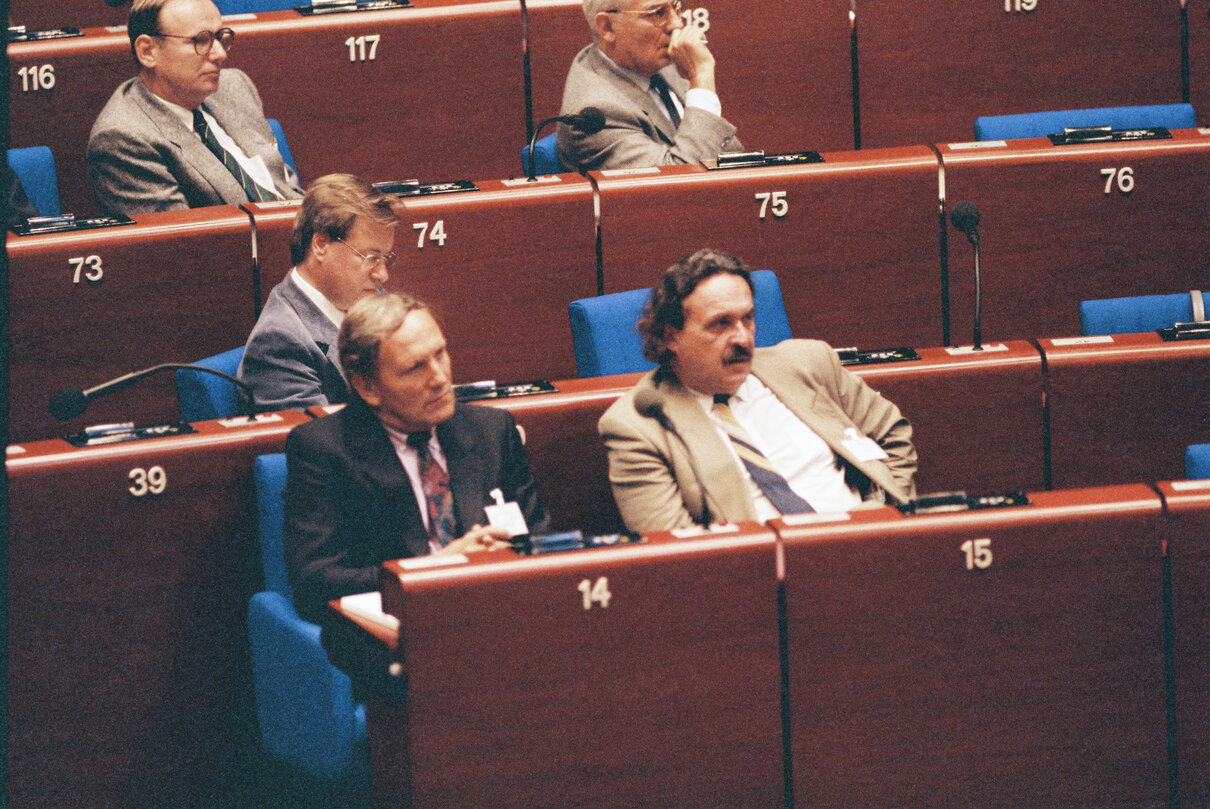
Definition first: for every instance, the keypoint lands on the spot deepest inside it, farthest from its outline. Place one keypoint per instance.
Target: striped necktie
(255, 192)
(770, 481)
(661, 86)
(436, 485)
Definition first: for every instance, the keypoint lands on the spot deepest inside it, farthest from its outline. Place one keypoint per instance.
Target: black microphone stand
(67, 404)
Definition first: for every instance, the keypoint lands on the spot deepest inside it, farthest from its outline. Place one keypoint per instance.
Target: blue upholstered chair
(1142, 313)
(546, 157)
(1197, 461)
(201, 396)
(282, 145)
(308, 719)
(1041, 124)
(607, 342)
(35, 168)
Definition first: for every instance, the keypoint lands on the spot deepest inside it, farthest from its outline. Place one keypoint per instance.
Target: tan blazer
(653, 479)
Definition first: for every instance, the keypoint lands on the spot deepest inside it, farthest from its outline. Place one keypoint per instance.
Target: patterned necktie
(436, 485)
(661, 86)
(255, 192)
(771, 483)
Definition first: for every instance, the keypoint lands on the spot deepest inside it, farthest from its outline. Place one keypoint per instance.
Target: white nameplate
(433, 560)
(1082, 341)
(958, 350)
(816, 517)
(1190, 485)
(629, 172)
(978, 144)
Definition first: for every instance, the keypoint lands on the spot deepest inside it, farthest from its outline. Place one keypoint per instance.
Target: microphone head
(965, 216)
(649, 402)
(592, 121)
(67, 404)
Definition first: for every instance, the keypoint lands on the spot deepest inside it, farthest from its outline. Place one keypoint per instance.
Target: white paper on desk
(369, 606)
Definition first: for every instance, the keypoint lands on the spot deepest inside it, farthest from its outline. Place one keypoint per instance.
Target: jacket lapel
(722, 481)
(318, 325)
(638, 98)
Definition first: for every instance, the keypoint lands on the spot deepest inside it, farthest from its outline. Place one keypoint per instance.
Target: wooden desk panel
(1035, 681)
(440, 99)
(665, 693)
(174, 287)
(38, 15)
(976, 417)
(86, 70)
(1188, 527)
(1199, 59)
(927, 71)
(1126, 409)
(566, 455)
(510, 260)
(129, 679)
(1053, 235)
(856, 251)
(783, 68)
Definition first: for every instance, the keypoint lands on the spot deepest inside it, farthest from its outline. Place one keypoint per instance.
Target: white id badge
(863, 447)
(506, 515)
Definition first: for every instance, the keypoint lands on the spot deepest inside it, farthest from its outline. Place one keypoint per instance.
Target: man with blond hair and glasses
(342, 251)
(653, 78)
(184, 132)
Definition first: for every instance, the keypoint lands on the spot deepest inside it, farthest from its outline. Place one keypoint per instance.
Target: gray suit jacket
(637, 130)
(141, 158)
(653, 478)
(291, 359)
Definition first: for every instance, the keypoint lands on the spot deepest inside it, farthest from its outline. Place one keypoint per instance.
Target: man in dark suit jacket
(144, 152)
(653, 78)
(357, 490)
(341, 249)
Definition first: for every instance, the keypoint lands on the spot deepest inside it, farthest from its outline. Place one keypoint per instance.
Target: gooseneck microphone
(965, 217)
(589, 120)
(650, 403)
(67, 404)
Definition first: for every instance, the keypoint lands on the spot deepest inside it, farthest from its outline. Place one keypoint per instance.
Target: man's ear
(319, 243)
(146, 51)
(604, 25)
(366, 389)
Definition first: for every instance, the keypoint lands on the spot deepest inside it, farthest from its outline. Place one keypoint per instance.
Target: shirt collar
(316, 297)
(186, 116)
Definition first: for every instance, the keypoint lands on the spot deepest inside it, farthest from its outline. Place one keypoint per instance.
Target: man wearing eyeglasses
(342, 251)
(653, 78)
(184, 132)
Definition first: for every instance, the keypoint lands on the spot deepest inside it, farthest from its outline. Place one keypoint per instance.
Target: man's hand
(479, 538)
(692, 58)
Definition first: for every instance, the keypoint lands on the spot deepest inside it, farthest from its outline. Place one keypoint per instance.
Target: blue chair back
(35, 168)
(546, 157)
(308, 718)
(607, 341)
(1140, 313)
(1041, 124)
(253, 6)
(1197, 461)
(269, 481)
(201, 396)
(280, 136)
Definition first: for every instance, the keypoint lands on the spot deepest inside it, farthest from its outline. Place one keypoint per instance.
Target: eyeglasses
(369, 261)
(654, 15)
(203, 42)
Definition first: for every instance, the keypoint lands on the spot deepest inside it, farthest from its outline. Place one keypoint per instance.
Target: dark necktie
(661, 86)
(436, 485)
(770, 481)
(255, 192)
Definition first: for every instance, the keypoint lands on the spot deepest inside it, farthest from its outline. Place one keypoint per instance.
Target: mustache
(737, 353)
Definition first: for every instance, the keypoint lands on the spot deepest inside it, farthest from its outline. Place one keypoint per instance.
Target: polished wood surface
(1052, 236)
(129, 679)
(1126, 409)
(886, 291)
(1035, 681)
(38, 15)
(928, 70)
(174, 287)
(664, 695)
(976, 416)
(1188, 531)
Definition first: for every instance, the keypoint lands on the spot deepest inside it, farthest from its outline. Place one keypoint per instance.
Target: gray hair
(594, 7)
(368, 322)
